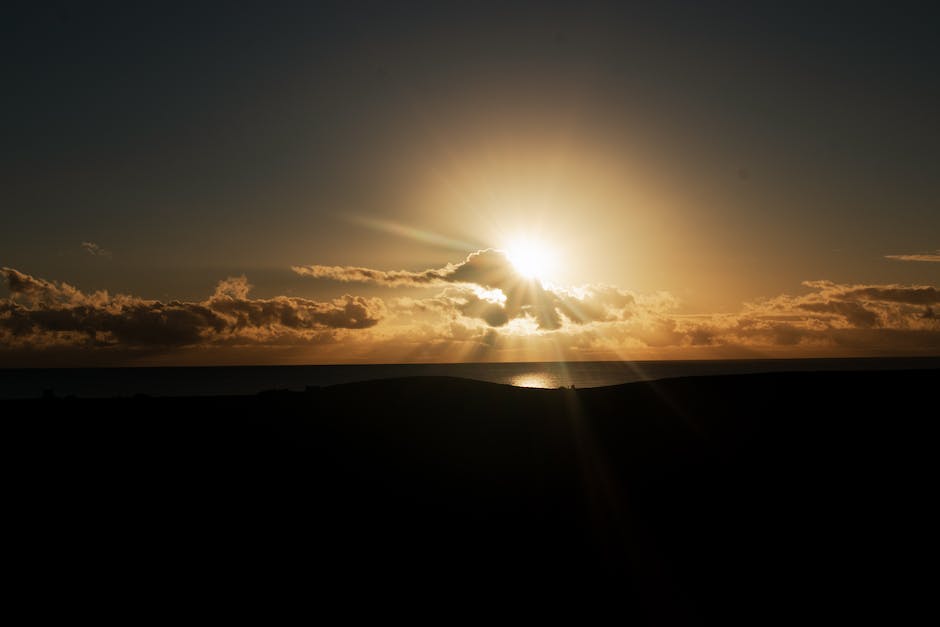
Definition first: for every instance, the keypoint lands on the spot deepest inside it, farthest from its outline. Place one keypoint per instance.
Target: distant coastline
(246, 380)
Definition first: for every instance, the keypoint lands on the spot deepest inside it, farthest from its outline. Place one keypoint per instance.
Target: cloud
(611, 323)
(40, 291)
(95, 250)
(876, 316)
(490, 268)
(501, 317)
(349, 312)
(934, 256)
(352, 274)
(912, 294)
(485, 290)
(487, 286)
(43, 313)
(854, 313)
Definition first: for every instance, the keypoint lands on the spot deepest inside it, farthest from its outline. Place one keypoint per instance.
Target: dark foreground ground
(757, 499)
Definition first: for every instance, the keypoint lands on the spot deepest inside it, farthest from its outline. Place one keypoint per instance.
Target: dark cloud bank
(481, 302)
(43, 313)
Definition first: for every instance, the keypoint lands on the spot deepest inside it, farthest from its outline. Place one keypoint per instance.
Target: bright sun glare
(531, 258)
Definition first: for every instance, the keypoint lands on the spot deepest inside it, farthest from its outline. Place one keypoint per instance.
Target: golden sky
(326, 184)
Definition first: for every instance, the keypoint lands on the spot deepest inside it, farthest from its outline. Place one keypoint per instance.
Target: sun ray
(416, 234)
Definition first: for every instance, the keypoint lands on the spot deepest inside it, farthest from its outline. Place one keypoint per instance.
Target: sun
(531, 258)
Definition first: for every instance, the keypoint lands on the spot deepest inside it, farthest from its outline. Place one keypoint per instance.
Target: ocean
(199, 381)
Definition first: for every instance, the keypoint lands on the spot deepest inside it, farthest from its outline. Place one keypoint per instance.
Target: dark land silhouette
(767, 498)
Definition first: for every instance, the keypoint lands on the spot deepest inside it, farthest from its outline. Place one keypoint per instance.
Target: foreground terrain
(757, 498)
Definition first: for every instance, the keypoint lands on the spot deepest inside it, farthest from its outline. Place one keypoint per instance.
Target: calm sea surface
(97, 382)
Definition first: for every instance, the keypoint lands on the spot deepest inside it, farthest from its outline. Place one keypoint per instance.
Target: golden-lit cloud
(475, 310)
(487, 285)
(934, 256)
(489, 268)
(601, 321)
(43, 313)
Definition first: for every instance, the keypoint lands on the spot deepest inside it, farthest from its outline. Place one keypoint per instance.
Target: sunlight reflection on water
(535, 380)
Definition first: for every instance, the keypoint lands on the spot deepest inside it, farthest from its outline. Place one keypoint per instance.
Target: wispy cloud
(488, 267)
(95, 250)
(934, 256)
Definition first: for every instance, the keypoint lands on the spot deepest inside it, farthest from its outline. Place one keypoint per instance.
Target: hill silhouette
(704, 500)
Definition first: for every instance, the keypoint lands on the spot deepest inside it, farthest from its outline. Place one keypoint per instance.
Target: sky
(375, 182)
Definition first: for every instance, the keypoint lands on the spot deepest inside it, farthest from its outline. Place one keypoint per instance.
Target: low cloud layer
(483, 301)
(830, 319)
(42, 313)
(487, 286)
(479, 309)
(934, 256)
